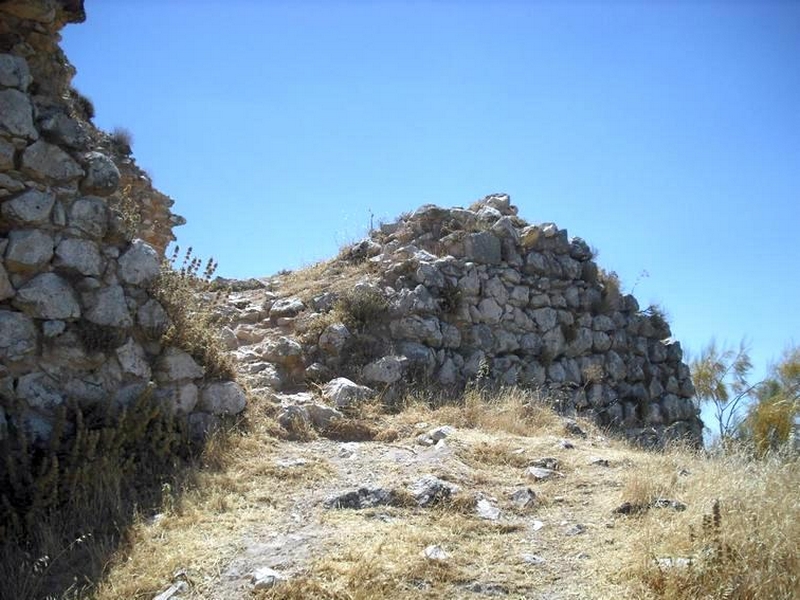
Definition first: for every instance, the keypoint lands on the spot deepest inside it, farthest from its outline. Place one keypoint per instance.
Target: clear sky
(666, 134)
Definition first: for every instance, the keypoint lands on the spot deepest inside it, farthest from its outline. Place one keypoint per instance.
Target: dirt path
(549, 550)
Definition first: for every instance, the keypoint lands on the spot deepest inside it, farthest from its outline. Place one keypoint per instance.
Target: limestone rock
(286, 307)
(28, 249)
(265, 578)
(58, 127)
(14, 72)
(523, 498)
(386, 370)
(486, 510)
(223, 398)
(18, 336)
(345, 393)
(16, 115)
(435, 552)
(108, 306)
(430, 490)
(133, 360)
(176, 365)
(140, 264)
(6, 288)
(30, 208)
(152, 317)
(333, 338)
(89, 215)
(49, 162)
(48, 296)
(363, 497)
(79, 255)
(40, 390)
(539, 473)
(483, 247)
(102, 175)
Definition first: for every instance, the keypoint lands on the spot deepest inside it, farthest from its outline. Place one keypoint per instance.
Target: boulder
(50, 163)
(16, 115)
(140, 264)
(6, 289)
(483, 247)
(14, 72)
(30, 208)
(79, 255)
(386, 370)
(28, 250)
(345, 393)
(108, 306)
(102, 175)
(48, 296)
(333, 338)
(176, 365)
(89, 215)
(18, 336)
(222, 398)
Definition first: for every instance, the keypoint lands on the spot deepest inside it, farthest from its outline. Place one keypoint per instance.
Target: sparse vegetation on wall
(187, 294)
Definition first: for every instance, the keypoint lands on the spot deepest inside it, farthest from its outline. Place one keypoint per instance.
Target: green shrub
(362, 308)
(66, 505)
(186, 294)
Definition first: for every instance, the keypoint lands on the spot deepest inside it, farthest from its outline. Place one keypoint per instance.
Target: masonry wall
(82, 237)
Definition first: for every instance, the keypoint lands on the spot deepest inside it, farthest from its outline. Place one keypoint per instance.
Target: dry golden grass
(326, 276)
(746, 548)
(254, 485)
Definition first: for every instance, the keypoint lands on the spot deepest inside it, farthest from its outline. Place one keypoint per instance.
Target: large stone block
(48, 296)
(14, 72)
(222, 398)
(140, 264)
(102, 175)
(483, 247)
(108, 306)
(29, 208)
(18, 336)
(89, 215)
(16, 115)
(49, 162)
(79, 255)
(28, 250)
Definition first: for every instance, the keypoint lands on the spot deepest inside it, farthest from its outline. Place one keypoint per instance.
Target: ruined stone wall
(82, 236)
(455, 297)
(481, 293)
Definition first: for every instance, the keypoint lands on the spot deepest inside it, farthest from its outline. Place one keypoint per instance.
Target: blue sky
(666, 134)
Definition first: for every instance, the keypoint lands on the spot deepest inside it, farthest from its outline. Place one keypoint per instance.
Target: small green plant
(129, 212)
(362, 308)
(80, 489)
(186, 294)
(659, 317)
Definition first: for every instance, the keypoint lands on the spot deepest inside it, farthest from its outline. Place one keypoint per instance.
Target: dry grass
(255, 486)
(326, 276)
(744, 548)
(509, 411)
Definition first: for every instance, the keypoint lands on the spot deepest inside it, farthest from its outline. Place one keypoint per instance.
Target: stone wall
(479, 292)
(451, 297)
(82, 237)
